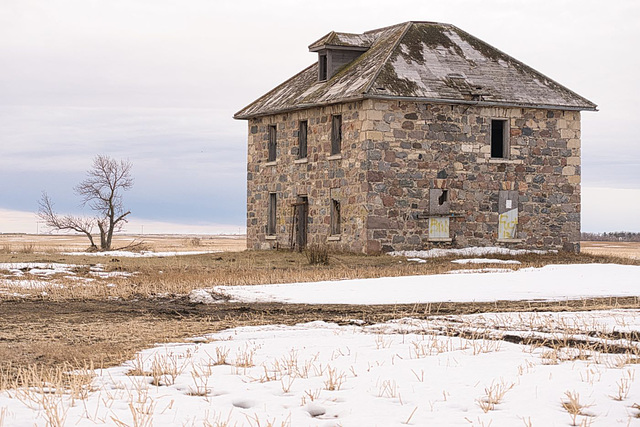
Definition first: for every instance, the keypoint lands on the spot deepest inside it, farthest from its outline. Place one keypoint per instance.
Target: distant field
(153, 242)
(619, 249)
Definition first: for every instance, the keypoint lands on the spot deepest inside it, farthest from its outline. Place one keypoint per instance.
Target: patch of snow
(473, 251)
(37, 268)
(319, 374)
(480, 270)
(205, 296)
(485, 261)
(551, 282)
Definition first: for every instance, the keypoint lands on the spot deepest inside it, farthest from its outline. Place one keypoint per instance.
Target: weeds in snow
(573, 406)
(493, 395)
(334, 380)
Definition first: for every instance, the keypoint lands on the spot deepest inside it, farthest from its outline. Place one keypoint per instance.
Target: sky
(158, 81)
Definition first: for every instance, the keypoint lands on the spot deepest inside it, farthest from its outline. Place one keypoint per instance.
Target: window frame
(504, 140)
(323, 67)
(303, 128)
(272, 146)
(336, 134)
(272, 214)
(336, 218)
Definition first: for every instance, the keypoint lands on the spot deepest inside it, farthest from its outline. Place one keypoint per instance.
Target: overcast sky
(158, 81)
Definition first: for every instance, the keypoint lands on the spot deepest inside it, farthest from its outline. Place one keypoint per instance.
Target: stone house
(413, 136)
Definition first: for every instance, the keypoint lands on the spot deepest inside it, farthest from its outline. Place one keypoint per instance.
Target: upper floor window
(336, 134)
(322, 67)
(499, 139)
(302, 140)
(273, 131)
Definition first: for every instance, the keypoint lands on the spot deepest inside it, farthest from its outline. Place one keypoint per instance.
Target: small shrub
(317, 255)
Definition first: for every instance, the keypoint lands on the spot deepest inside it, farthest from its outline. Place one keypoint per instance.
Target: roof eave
(298, 107)
(514, 104)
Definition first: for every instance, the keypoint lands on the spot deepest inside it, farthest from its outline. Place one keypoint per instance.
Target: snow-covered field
(552, 282)
(405, 372)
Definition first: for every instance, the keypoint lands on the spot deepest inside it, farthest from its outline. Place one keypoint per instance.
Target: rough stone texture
(394, 152)
(323, 176)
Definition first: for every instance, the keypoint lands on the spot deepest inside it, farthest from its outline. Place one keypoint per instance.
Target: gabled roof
(425, 61)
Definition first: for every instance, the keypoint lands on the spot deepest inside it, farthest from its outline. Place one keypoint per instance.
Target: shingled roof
(424, 61)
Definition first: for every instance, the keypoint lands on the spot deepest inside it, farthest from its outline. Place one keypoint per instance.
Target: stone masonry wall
(320, 178)
(414, 147)
(394, 152)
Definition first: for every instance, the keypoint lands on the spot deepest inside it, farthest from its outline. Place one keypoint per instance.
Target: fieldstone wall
(320, 177)
(415, 147)
(395, 152)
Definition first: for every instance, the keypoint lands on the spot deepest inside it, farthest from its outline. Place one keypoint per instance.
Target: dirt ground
(106, 328)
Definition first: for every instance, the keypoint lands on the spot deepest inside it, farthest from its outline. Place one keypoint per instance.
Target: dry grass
(616, 249)
(154, 242)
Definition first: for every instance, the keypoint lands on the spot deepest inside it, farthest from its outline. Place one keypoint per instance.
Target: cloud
(157, 81)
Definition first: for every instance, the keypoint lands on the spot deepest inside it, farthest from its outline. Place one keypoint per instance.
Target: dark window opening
(271, 222)
(498, 139)
(335, 217)
(443, 197)
(272, 143)
(302, 140)
(336, 134)
(322, 67)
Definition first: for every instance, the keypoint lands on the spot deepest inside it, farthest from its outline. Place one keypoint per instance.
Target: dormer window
(322, 67)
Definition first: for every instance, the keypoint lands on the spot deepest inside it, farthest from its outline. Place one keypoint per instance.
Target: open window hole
(443, 197)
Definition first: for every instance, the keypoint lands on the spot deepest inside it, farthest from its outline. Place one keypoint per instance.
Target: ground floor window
(271, 221)
(335, 217)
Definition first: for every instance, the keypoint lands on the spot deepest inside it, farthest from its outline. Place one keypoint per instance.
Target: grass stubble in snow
(502, 369)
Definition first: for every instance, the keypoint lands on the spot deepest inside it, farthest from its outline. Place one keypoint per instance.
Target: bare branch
(101, 190)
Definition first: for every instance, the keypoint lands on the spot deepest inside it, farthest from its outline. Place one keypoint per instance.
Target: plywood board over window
(439, 208)
(508, 218)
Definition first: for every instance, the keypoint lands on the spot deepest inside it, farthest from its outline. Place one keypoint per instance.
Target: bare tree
(102, 191)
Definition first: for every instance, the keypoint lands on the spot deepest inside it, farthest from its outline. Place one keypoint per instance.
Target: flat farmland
(151, 242)
(616, 249)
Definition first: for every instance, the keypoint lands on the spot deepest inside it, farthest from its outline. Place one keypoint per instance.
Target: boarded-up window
(271, 221)
(439, 228)
(335, 217)
(508, 218)
(336, 134)
(302, 140)
(273, 132)
(499, 142)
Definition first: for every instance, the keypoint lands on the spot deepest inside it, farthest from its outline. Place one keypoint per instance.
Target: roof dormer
(335, 50)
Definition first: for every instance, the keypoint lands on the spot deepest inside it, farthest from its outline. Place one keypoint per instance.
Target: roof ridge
(407, 25)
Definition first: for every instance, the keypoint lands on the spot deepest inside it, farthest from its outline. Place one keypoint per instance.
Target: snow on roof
(419, 60)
